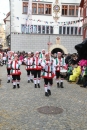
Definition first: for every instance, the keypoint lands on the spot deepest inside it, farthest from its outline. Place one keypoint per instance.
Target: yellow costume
(76, 73)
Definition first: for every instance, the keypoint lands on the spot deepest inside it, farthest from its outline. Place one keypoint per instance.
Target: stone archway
(61, 47)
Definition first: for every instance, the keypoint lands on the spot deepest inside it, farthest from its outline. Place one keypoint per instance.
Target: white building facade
(43, 20)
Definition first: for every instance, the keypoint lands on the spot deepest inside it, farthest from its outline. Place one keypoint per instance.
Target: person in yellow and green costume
(76, 72)
(84, 78)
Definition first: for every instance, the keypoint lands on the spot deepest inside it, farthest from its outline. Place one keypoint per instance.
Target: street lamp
(49, 43)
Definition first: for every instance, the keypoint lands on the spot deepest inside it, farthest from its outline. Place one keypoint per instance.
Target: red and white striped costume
(48, 74)
(29, 67)
(37, 69)
(15, 71)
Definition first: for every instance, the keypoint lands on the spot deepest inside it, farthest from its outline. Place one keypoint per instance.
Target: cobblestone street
(18, 107)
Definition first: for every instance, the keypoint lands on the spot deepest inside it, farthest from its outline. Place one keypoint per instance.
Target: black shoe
(18, 86)
(83, 86)
(8, 81)
(28, 81)
(35, 86)
(32, 80)
(49, 92)
(58, 85)
(46, 94)
(14, 86)
(61, 85)
(38, 85)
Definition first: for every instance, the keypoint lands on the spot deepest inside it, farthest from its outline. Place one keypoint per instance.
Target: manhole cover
(50, 110)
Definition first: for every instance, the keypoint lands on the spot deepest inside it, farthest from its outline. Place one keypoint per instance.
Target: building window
(39, 28)
(79, 30)
(72, 30)
(48, 8)
(40, 8)
(51, 30)
(64, 9)
(35, 29)
(60, 29)
(71, 10)
(34, 8)
(68, 28)
(31, 29)
(75, 30)
(77, 10)
(64, 30)
(43, 29)
(26, 29)
(47, 29)
(25, 7)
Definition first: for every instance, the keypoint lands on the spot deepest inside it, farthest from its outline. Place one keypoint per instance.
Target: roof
(82, 3)
(7, 15)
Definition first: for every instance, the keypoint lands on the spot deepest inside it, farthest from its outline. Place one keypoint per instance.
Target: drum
(63, 72)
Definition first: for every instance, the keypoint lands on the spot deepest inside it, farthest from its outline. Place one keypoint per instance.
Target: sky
(4, 8)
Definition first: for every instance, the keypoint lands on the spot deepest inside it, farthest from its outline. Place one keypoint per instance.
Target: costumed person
(60, 66)
(1, 60)
(15, 71)
(69, 71)
(29, 61)
(4, 58)
(75, 73)
(42, 55)
(84, 78)
(48, 74)
(37, 70)
(8, 64)
(9, 58)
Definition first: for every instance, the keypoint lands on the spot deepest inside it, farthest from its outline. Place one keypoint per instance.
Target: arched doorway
(55, 50)
(57, 47)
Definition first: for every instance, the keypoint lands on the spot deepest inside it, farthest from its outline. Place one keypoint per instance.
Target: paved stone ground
(18, 108)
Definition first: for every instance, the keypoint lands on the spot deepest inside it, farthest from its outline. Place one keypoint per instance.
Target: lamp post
(49, 43)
